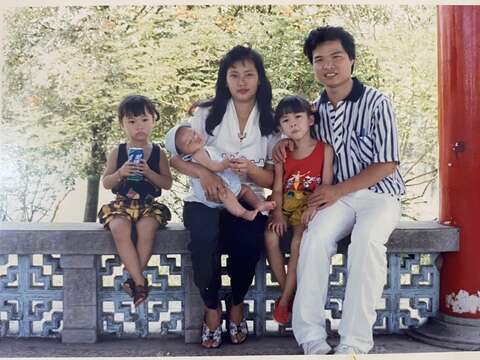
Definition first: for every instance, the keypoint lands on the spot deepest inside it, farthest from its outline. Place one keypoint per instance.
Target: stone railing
(64, 280)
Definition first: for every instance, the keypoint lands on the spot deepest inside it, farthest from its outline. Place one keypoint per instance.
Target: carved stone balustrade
(65, 279)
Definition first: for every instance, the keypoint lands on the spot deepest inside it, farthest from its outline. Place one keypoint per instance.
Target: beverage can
(134, 156)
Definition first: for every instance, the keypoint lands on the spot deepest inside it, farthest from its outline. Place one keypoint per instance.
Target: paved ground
(174, 346)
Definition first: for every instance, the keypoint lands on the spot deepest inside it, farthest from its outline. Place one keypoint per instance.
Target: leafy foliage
(67, 68)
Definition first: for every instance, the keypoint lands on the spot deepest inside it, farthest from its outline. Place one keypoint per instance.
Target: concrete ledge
(91, 238)
(78, 239)
(79, 336)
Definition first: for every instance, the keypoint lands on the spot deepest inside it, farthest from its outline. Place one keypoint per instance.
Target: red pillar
(458, 323)
(459, 142)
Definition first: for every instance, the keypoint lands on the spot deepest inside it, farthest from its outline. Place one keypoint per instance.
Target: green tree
(68, 67)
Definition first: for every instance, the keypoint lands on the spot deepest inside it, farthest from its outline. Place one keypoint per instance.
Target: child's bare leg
(275, 257)
(235, 208)
(247, 194)
(291, 280)
(121, 233)
(146, 230)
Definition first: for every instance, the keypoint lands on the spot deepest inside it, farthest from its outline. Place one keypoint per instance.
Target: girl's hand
(213, 186)
(308, 215)
(241, 166)
(143, 168)
(127, 169)
(279, 151)
(278, 224)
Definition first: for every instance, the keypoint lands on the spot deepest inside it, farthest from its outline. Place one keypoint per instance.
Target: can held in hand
(134, 156)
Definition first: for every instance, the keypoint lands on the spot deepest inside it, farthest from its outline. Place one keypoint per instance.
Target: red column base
(449, 332)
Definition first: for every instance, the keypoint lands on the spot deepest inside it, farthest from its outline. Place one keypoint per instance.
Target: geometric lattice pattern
(161, 314)
(31, 295)
(410, 295)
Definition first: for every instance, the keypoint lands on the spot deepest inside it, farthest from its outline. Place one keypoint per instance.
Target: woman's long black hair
(222, 94)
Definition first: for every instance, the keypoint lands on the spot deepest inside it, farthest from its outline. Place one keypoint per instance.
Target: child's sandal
(280, 313)
(129, 286)
(140, 293)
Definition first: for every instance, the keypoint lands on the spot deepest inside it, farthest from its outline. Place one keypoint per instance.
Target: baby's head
(183, 140)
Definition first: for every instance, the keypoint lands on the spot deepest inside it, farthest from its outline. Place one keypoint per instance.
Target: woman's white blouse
(227, 140)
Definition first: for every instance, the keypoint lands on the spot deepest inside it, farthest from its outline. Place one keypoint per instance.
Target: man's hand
(278, 223)
(213, 186)
(279, 151)
(308, 215)
(324, 195)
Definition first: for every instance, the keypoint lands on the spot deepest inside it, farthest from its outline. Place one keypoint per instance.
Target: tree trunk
(91, 205)
(97, 162)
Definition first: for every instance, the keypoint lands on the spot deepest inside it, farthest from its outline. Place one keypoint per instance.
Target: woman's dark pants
(214, 231)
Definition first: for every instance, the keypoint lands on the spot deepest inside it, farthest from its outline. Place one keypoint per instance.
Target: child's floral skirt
(134, 209)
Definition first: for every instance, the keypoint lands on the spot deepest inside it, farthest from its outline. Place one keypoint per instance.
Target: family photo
(286, 179)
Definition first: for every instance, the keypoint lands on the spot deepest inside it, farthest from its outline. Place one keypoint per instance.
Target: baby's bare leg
(235, 208)
(247, 194)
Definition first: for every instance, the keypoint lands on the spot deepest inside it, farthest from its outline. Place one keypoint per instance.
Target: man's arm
(327, 194)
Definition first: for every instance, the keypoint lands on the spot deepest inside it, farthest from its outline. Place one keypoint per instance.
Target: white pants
(370, 217)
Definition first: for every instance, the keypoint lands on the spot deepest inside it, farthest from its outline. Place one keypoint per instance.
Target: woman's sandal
(233, 329)
(140, 293)
(215, 336)
(129, 286)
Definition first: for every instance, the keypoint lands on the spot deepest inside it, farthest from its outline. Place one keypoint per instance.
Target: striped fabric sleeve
(385, 134)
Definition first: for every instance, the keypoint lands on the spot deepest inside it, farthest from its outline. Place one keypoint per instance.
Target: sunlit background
(65, 69)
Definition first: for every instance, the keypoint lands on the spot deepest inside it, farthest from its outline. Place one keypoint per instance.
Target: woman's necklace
(242, 135)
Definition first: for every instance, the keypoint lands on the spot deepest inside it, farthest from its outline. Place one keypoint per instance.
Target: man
(359, 122)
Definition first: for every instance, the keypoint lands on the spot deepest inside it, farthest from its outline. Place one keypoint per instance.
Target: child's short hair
(135, 105)
(291, 104)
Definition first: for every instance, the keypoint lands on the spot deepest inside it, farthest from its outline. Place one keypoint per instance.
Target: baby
(184, 141)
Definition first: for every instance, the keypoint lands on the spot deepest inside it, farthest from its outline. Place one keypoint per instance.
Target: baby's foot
(249, 215)
(266, 206)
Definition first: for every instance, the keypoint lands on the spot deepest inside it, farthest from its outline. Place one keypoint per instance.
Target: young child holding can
(136, 171)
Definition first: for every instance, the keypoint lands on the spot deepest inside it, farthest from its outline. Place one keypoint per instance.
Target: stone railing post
(79, 298)
(193, 311)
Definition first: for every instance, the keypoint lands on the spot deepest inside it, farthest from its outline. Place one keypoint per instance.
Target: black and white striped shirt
(362, 131)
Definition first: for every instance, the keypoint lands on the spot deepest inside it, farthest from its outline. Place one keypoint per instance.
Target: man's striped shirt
(362, 131)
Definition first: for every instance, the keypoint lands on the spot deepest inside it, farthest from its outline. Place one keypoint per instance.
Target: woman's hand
(213, 186)
(278, 223)
(241, 166)
(279, 151)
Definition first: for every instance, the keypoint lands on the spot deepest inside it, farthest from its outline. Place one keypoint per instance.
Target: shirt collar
(357, 90)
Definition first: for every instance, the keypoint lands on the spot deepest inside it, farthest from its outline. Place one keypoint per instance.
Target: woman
(238, 121)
